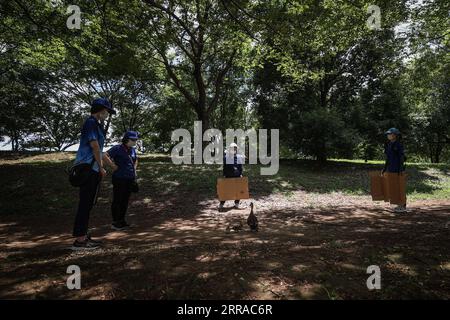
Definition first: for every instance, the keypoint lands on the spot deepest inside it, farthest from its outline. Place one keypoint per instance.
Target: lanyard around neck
(129, 156)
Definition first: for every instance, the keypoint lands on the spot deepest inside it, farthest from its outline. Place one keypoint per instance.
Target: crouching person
(232, 168)
(124, 178)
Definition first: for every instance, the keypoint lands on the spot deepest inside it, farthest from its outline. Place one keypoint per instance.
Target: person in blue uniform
(395, 157)
(232, 168)
(125, 157)
(90, 151)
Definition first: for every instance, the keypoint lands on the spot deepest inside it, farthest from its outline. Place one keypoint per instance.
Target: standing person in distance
(124, 182)
(395, 158)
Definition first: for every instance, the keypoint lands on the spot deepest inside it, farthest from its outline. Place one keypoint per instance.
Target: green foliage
(312, 69)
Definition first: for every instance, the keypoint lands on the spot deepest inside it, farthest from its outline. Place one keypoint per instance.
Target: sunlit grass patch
(36, 183)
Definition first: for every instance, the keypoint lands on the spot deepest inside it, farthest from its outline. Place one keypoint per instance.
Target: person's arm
(240, 169)
(224, 164)
(109, 162)
(402, 157)
(97, 156)
(386, 161)
(240, 161)
(91, 130)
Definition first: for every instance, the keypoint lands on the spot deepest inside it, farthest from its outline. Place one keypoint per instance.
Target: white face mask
(103, 115)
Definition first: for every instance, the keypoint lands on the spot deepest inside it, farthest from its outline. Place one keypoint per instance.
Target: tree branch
(219, 81)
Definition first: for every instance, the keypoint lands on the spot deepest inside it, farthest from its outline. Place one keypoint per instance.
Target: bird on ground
(252, 221)
(236, 227)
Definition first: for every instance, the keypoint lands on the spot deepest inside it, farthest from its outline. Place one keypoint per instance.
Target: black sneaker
(85, 245)
(119, 226)
(94, 241)
(126, 224)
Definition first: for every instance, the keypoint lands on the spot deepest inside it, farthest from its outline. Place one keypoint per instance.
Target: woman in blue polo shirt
(395, 158)
(90, 151)
(124, 178)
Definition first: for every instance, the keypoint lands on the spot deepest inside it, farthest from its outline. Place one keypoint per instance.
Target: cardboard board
(397, 187)
(402, 188)
(232, 188)
(376, 185)
(390, 187)
(385, 187)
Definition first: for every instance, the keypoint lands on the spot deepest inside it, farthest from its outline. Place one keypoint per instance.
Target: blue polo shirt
(91, 130)
(124, 158)
(395, 155)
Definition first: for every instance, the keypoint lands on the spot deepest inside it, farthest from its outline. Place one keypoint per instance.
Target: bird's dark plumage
(252, 221)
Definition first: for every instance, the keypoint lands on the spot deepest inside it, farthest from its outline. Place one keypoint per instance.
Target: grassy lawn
(36, 183)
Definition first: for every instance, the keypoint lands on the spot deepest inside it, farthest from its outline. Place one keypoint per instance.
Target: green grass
(36, 183)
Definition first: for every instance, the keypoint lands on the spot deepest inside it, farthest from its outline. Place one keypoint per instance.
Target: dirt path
(179, 248)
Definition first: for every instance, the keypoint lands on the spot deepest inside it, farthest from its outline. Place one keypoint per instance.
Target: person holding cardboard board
(394, 170)
(232, 168)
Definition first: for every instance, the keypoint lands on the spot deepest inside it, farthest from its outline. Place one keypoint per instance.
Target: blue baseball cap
(133, 135)
(103, 102)
(393, 131)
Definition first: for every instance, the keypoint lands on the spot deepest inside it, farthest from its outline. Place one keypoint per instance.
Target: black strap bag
(79, 173)
(134, 186)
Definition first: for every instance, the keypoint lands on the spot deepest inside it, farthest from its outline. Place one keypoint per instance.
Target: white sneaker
(400, 209)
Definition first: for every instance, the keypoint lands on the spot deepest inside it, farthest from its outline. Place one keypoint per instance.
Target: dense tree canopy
(314, 69)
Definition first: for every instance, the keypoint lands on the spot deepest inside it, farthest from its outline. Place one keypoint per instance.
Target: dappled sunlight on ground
(299, 253)
(315, 241)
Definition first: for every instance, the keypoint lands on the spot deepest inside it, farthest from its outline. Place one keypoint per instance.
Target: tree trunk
(430, 149)
(321, 158)
(321, 154)
(437, 156)
(203, 116)
(14, 142)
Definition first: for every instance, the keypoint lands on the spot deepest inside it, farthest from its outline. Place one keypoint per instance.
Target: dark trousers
(121, 195)
(85, 204)
(235, 202)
